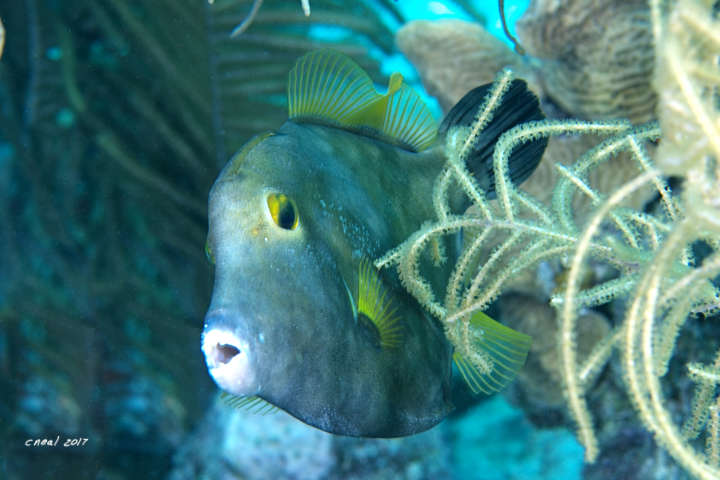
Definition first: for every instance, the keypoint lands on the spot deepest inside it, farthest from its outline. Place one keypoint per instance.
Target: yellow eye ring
(283, 211)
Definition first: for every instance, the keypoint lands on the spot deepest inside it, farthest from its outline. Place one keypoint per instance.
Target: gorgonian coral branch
(507, 237)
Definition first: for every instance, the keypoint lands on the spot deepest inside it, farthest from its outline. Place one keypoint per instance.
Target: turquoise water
(494, 441)
(446, 9)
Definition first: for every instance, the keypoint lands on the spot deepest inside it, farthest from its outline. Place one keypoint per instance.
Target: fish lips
(228, 355)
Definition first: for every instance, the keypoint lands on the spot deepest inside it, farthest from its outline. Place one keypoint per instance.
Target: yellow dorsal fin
(498, 353)
(328, 87)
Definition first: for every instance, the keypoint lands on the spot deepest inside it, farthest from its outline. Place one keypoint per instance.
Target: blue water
(447, 9)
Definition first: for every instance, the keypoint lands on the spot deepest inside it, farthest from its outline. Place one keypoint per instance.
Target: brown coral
(596, 57)
(540, 381)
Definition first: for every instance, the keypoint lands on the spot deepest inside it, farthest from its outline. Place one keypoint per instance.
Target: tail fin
(518, 105)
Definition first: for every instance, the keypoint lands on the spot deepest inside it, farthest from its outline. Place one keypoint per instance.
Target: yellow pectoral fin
(374, 302)
(498, 353)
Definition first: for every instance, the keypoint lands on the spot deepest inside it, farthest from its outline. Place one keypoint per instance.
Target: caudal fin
(518, 105)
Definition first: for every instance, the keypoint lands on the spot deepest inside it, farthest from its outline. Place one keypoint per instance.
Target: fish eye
(283, 211)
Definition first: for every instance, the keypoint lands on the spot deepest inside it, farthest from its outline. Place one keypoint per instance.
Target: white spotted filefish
(300, 318)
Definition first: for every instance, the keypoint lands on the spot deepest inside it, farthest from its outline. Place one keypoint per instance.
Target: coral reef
(655, 264)
(543, 401)
(518, 219)
(687, 74)
(488, 441)
(478, 56)
(237, 443)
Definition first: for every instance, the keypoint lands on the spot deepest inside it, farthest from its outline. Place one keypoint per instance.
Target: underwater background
(117, 115)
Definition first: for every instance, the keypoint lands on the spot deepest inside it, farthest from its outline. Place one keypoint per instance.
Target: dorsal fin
(327, 87)
(519, 105)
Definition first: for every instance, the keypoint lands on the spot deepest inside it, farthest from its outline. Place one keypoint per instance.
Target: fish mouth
(228, 361)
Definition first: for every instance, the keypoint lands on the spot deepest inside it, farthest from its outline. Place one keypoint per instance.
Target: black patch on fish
(518, 105)
(369, 330)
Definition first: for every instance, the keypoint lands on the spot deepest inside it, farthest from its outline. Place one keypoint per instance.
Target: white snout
(228, 361)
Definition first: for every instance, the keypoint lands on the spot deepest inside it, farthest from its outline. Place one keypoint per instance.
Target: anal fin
(252, 404)
(502, 352)
(329, 88)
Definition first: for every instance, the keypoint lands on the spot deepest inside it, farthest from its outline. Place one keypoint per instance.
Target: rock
(234, 443)
(539, 386)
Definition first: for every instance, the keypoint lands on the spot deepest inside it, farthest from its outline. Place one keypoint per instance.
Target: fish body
(299, 317)
(287, 292)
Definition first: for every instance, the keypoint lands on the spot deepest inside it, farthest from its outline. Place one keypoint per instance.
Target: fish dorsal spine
(327, 87)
